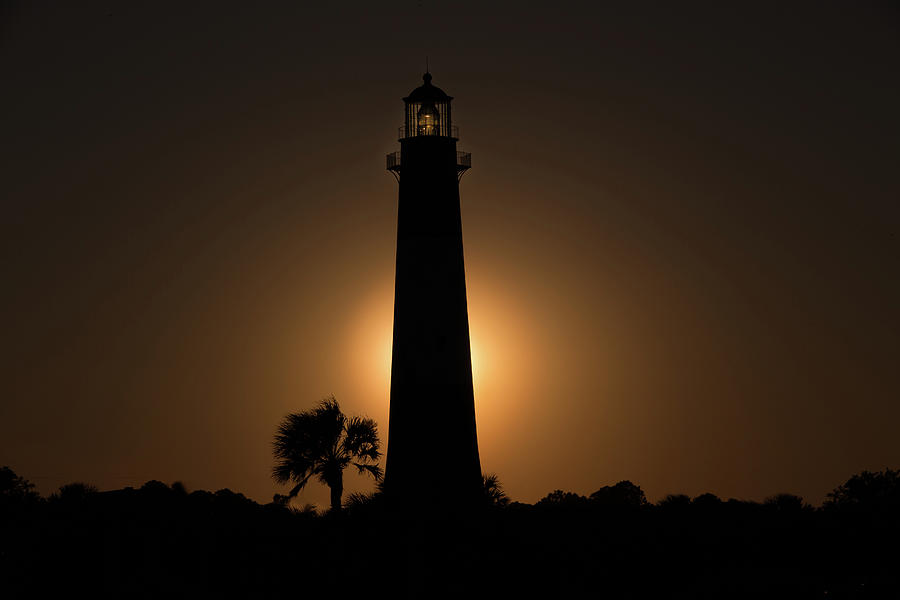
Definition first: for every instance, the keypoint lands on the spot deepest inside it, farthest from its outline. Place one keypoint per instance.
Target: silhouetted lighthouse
(432, 445)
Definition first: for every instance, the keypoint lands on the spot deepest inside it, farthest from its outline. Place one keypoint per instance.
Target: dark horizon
(680, 233)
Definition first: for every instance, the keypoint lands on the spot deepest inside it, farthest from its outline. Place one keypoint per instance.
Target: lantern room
(427, 112)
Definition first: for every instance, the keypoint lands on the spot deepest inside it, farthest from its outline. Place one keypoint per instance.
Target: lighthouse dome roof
(427, 92)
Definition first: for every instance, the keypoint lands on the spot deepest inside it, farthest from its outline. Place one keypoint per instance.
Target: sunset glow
(433, 300)
(502, 352)
(678, 249)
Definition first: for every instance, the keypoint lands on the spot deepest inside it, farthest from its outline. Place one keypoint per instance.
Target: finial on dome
(427, 77)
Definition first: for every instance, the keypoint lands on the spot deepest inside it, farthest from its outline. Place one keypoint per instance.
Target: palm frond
(296, 489)
(374, 470)
(493, 491)
(361, 439)
(330, 419)
(357, 499)
(282, 472)
(308, 509)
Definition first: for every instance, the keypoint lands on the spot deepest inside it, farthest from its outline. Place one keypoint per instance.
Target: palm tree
(322, 442)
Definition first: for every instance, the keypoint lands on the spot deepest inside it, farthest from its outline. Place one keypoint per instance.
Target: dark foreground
(162, 542)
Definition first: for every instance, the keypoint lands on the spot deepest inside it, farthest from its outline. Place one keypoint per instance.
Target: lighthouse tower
(432, 445)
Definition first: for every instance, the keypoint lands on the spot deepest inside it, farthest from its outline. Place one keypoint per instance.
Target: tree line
(163, 540)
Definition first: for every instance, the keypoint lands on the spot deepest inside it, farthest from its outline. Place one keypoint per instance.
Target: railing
(393, 161)
(463, 161)
(401, 132)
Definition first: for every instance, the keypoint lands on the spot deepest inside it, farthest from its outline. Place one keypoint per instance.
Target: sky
(680, 236)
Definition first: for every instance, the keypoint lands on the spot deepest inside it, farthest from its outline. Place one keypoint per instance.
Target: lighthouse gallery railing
(463, 161)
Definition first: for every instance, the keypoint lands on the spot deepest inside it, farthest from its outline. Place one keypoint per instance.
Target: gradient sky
(680, 231)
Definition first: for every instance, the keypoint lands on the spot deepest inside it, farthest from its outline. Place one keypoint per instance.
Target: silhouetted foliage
(868, 491)
(493, 491)
(74, 493)
(358, 499)
(321, 443)
(307, 510)
(561, 499)
(785, 502)
(161, 541)
(675, 501)
(15, 490)
(367, 503)
(622, 495)
(707, 501)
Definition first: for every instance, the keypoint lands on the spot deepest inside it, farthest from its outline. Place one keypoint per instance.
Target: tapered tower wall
(432, 441)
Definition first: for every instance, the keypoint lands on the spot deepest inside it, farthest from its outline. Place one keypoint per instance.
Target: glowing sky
(680, 232)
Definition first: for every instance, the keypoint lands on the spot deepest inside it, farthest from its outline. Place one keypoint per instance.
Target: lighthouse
(432, 442)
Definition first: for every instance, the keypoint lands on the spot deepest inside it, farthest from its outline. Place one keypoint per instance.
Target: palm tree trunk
(337, 490)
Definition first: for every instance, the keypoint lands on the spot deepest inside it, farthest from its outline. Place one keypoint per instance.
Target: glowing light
(475, 351)
(502, 355)
(368, 340)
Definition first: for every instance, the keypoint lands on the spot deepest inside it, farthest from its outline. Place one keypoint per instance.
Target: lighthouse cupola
(428, 136)
(427, 111)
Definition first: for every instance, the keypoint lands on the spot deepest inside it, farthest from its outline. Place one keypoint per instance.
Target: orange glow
(685, 289)
(370, 338)
(502, 349)
(503, 363)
